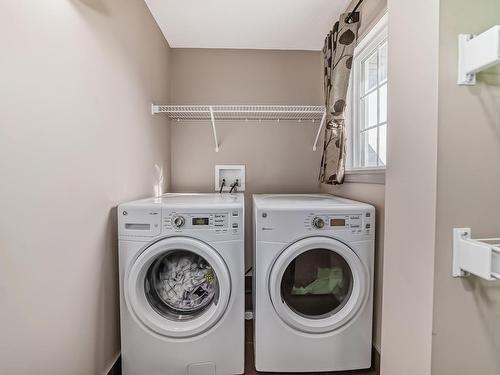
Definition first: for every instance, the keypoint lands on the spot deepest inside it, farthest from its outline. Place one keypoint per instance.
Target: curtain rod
(350, 16)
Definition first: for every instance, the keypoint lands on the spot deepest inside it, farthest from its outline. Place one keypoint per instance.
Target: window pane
(370, 156)
(369, 73)
(382, 148)
(382, 55)
(369, 104)
(382, 102)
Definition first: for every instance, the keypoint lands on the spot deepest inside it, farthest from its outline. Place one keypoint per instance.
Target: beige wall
(466, 311)
(76, 138)
(410, 196)
(374, 194)
(278, 156)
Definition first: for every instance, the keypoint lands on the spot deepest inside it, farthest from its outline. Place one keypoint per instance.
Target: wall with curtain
(76, 138)
(371, 11)
(278, 156)
(466, 327)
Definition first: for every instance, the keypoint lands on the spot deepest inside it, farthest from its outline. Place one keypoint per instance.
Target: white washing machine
(313, 283)
(182, 285)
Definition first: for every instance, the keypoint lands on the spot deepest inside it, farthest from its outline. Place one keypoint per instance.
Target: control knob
(179, 221)
(318, 223)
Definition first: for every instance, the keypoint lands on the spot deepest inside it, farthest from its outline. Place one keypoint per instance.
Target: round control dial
(318, 223)
(178, 221)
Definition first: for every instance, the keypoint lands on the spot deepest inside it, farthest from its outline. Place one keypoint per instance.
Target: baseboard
(115, 367)
(376, 359)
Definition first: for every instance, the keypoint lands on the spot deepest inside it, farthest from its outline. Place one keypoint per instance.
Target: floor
(250, 368)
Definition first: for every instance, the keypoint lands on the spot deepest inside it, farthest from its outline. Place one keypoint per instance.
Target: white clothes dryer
(181, 262)
(313, 283)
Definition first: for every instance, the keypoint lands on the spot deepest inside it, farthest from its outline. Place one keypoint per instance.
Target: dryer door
(178, 287)
(318, 284)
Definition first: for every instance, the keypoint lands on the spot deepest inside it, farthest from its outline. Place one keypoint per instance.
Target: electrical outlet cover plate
(230, 173)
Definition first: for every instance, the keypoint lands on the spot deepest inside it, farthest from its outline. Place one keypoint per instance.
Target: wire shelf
(214, 113)
(242, 112)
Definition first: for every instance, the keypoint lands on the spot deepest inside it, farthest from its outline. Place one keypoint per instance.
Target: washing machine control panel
(227, 222)
(358, 223)
(199, 220)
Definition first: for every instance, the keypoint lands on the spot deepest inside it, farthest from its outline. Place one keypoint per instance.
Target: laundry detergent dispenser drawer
(137, 222)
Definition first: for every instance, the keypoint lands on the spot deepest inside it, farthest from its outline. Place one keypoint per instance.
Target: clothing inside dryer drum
(181, 285)
(317, 283)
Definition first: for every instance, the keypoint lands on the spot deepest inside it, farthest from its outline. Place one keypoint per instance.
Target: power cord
(233, 185)
(222, 185)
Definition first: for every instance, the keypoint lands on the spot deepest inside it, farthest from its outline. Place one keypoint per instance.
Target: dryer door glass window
(317, 283)
(181, 285)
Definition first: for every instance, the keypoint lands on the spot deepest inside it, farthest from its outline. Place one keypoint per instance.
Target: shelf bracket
(480, 257)
(212, 118)
(319, 131)
(476, 53)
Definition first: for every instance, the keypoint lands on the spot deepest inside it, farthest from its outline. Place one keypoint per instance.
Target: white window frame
(372, 39)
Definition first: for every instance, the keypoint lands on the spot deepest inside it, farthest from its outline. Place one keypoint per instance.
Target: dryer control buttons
(178, 221)
(318, 223)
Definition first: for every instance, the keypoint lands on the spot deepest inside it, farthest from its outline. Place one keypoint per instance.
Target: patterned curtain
(337, 54)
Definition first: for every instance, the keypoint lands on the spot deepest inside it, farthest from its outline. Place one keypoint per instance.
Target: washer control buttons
(178, 221)
(318, 223)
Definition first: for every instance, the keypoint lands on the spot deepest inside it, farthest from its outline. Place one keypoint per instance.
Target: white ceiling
(256, 24)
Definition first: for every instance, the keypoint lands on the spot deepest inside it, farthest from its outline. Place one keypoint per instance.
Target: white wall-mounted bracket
(476, 53)
(480, 257)
(323, 118)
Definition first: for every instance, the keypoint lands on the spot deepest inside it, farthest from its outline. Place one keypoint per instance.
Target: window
(367, 113)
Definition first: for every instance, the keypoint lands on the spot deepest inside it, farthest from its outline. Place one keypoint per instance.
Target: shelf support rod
(319, 130)
(212, 118)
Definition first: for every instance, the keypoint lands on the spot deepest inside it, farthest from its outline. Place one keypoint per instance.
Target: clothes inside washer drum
(186, 282)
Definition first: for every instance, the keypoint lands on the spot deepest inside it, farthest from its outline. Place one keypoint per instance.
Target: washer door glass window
(317, 283)
(178, 287)
(181, 285)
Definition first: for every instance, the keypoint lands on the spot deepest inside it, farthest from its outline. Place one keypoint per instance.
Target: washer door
(318, 284)
(178, 287)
